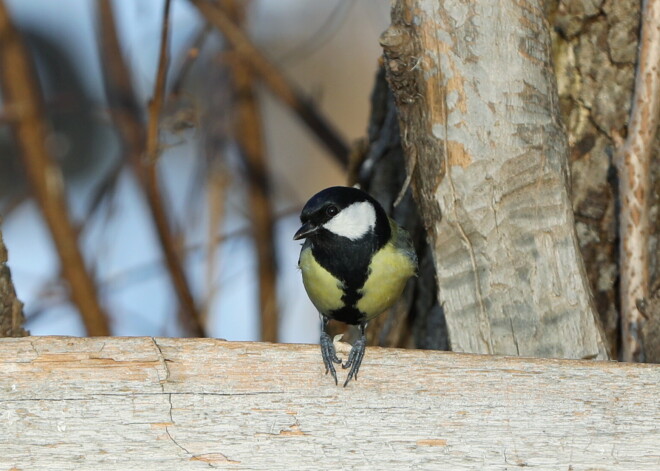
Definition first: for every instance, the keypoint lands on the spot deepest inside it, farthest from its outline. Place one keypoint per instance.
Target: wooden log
(173, 404)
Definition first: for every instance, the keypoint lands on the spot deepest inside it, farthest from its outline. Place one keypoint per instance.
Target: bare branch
(274, 80)
(192, 53)
(249, 135)
(156, 103)
(127, 117)
(21, 93)
(633, 161)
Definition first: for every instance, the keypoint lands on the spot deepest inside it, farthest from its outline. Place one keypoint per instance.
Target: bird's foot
(355, 359)
(329, 355)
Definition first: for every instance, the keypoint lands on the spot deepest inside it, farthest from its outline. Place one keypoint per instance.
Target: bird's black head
(343, 212)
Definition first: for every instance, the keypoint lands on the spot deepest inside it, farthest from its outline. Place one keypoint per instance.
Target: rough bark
(488, 155)
(595, 51)
(650, 332)
(11, 308)
(172, 404)
(633, 159)
(417, 320)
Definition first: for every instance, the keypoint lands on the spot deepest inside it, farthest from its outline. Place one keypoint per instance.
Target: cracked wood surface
(173, 404)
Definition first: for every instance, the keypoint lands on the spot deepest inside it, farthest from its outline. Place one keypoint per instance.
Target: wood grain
(166, 404)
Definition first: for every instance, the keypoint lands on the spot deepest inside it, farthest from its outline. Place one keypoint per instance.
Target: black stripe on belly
(348, 315)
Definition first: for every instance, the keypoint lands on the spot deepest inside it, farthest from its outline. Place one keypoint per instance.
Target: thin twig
(249, 135)
(142, 272)
(274, 80)
(218, 186)
(127, 117)
(21, 92)
(192, 53)
(213, 171)
(330, 27)
(633, 162)
(103, 190)
(156, 103)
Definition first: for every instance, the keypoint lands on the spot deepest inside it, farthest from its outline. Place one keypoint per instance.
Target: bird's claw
(329, 355)
(355, 359)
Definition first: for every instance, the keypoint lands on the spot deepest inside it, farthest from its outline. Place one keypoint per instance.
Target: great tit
(355, 263)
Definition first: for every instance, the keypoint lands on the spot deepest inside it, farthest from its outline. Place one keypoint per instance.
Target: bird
(355, 263)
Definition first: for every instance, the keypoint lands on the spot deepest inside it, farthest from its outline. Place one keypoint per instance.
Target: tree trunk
(417, 320)
(11, 309)
(595, 52)
(479, 117)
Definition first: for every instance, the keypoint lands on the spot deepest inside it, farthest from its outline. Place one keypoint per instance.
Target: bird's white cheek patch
(354, 221)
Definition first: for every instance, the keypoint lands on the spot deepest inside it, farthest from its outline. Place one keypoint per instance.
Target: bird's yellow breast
(383, 282)
(388, 273)
(324, 290)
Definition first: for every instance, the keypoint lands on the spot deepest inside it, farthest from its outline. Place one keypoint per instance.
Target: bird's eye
(331, 210)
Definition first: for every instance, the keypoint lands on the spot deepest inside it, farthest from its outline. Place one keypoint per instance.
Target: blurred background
(327, 50)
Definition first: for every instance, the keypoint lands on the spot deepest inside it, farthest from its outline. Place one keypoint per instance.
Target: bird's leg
(328, 350)
(355, 356)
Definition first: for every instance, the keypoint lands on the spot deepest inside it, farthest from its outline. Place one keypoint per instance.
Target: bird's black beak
(306, 230)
